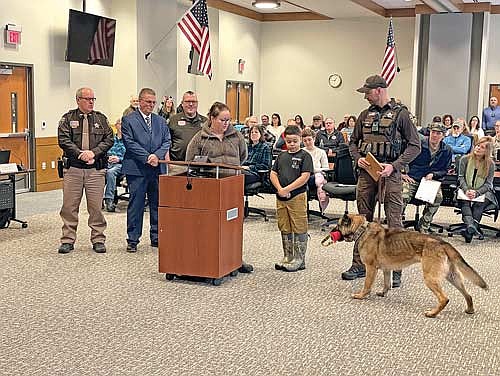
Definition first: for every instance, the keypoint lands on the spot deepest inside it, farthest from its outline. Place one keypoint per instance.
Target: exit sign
(13, 35)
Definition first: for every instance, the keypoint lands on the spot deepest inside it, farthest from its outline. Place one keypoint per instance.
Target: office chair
(254, 189)
(344, 184)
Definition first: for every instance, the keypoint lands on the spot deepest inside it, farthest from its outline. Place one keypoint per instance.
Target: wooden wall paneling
(47, 152)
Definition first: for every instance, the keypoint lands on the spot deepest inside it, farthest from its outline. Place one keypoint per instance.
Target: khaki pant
(292, 215)
(366, 199)
(409, 191)
(75, 181)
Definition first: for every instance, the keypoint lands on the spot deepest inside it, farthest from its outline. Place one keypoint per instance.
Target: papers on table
(427, 190)
(461, 196)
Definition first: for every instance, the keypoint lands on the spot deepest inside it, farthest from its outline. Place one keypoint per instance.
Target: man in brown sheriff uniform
(386, 130)
(184, 125)
(85, 137)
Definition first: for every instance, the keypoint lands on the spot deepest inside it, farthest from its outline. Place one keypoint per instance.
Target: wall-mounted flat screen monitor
(91, 38)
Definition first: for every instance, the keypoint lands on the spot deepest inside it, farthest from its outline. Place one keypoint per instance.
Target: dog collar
(359, 232)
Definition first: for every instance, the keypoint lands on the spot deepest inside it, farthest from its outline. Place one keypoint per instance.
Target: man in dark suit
(147, 140)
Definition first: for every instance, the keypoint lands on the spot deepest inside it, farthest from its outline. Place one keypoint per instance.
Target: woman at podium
(220, 142)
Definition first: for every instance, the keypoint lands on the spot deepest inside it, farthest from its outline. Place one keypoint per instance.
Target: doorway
(239, 99)
(16, 118)
(494, 91)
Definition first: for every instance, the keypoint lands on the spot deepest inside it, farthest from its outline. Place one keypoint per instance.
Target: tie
(85, 133)
(148, 122)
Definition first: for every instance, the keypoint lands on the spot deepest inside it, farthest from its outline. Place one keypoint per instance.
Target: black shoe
(396, 278)
(132, 247)
(154, 244)
(99, 247)
(355, 271)
(65, 248)
(245, 268)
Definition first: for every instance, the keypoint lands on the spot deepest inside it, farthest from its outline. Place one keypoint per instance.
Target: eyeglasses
(88, 99)
(148, 102)
(190, 102)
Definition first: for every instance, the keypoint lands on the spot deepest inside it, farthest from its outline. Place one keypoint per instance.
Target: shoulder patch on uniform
(62, 121)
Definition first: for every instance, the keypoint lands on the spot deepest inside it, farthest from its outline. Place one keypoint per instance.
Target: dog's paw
(382, 293)
(469, 311)
(431, 313)
(358, 295)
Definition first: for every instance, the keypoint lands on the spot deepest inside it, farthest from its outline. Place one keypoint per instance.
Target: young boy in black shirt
(289, 175)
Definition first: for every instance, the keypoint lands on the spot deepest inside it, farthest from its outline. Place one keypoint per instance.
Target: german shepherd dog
(395, 249)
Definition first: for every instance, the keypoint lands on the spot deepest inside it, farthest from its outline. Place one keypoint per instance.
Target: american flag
(389, 64)
(101, 44)
(194, 25)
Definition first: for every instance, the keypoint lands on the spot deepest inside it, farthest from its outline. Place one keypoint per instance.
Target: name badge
(181, 122)
(74, 124)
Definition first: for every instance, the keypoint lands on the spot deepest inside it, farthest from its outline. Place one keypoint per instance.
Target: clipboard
(374, 167)
(427, 190)
(462, 196)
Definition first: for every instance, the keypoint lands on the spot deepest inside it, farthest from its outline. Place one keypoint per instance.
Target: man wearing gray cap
(385, 129)
(432, 163)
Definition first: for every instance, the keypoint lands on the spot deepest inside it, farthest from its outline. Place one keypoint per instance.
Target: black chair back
(344, 168)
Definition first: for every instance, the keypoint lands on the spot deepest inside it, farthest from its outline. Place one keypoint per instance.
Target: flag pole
(396, 51)
(147, 54)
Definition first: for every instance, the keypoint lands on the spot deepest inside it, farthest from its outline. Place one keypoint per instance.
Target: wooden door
(232, 99)
(245, 96)
(494, 92)
(14, 114)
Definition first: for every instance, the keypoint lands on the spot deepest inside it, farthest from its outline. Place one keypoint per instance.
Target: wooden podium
(200, 224)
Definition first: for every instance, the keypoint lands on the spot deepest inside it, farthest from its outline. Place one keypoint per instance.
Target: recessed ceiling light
(266, 4)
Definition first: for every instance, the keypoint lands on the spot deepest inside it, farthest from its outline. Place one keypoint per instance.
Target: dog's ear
(346, 220)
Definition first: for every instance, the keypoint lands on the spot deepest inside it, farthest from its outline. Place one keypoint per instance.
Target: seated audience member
(320, 163)
(221, 143)
(343, 123)
(248, 123)
(425, 130)
(432, 163)
(317, 123)
(459, 142)
(259, 155)
(280, 143)
(134, 105)
(264, 120)
(348, 129)
(447, 122)
(275, 128)
(496, 142)
(475, 178)
(329, 138)
(300, 122)
(114, 170)
(167, 108)
(475, 128)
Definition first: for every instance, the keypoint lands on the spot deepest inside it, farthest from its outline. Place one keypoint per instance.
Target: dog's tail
(456, 259)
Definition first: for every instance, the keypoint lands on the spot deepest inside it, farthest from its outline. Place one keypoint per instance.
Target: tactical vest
(381, 136)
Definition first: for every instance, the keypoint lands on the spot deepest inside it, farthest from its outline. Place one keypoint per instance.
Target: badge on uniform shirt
(181, 122)
(389, 115)
(97, 125)
(74, 124)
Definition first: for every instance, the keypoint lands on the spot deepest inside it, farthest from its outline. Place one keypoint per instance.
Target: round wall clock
(335, 80)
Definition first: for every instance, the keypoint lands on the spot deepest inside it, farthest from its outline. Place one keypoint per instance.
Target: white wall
(298, 57)
(44, 30)
(493, 66)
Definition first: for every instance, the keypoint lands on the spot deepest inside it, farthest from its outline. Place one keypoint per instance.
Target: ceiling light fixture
(266, 4)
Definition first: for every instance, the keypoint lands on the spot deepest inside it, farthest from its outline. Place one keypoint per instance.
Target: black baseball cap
(373, 82)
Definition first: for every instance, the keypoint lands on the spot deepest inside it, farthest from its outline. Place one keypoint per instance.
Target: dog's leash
(380, 198)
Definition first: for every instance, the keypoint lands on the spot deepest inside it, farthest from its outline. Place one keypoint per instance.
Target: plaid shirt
(259, 157)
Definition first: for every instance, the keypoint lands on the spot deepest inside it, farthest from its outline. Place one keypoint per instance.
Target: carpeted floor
(114, 314)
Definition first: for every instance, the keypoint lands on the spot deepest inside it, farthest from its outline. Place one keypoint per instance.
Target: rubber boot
(299, 254)
(287, 241)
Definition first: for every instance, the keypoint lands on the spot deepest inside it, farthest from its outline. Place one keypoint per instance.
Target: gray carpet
(114, 314)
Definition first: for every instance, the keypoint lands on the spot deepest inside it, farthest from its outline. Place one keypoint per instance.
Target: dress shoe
(245, 268)
(132, 247)
(99, 247)
(396, 278)
(66, 248)
(355, 271)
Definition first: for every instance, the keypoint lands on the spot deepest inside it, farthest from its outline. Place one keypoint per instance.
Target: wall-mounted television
(91, 38)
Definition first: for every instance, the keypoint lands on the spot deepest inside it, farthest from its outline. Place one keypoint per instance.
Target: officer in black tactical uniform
(386, 130)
